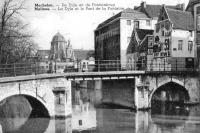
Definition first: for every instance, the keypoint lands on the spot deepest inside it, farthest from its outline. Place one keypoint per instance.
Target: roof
(134, 44)
(127, 13)
(191, 4)
(153, 10)
(58, 38)
(83, 54)
(181, 19)
(143, 32)
(144, 45)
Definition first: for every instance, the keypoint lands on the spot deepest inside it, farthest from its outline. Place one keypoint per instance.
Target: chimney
(143, 4)
(180, 7)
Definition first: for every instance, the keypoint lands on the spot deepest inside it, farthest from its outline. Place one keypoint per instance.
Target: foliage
(16, 44)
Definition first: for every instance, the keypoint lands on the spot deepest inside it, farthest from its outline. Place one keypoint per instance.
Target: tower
(58, 48)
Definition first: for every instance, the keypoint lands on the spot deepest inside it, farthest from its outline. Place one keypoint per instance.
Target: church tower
(61, 50)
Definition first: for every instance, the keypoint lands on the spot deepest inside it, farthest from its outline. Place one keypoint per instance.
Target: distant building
(113, 36)
(84, 59)
(174, 41)
(43, 60)
(60, 57)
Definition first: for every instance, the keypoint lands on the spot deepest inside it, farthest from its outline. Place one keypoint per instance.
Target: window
(84, 65)
(190, 33)
(190, 46)
(150, 51)
(128, 22)
(136, 24)
(163, 33)
(180, 44)
(128, 39)
(150, 42)
(148, 22)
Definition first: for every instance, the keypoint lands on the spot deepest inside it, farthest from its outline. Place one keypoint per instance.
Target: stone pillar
(141, 94)
(98, 91)
(60, 102)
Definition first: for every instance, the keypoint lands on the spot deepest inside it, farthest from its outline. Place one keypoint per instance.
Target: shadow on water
(169, 108)
(23, 114)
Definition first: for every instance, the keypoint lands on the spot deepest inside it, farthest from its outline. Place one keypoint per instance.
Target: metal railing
(30, 68)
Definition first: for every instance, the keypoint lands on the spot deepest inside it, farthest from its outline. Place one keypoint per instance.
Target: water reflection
(163, 118)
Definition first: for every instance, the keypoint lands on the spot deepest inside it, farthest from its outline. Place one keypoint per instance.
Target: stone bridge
(147, 85)
(53, 91)
(53, 94)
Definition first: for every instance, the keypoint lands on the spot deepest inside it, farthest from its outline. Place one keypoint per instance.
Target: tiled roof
(153, 10)
(142, 33)
(133, 45)
(127, 13)
(181, 19)
(83, 54)
(144, 45)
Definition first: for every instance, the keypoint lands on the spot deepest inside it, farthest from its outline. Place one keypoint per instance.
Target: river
(88, 118)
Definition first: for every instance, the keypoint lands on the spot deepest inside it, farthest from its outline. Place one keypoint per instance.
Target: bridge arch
(31, 95)
(166, 82)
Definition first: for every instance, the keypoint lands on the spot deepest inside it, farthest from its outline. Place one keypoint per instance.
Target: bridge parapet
(53, 94)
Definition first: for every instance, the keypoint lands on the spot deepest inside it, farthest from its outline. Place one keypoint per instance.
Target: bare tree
(15, 40)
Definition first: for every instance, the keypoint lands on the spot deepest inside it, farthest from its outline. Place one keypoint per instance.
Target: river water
(87, 118)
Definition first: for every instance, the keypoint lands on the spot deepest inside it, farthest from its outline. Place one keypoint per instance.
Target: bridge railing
(30, 68)
(170, 65)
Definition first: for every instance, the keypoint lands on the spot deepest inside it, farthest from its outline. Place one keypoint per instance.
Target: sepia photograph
(99, 66)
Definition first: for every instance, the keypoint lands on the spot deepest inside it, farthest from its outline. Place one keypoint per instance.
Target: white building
(174, 41)
(113, 35)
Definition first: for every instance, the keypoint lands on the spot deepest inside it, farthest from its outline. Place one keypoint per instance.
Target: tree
(16, 42)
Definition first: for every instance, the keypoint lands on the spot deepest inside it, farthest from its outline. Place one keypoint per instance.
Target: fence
(17, 69)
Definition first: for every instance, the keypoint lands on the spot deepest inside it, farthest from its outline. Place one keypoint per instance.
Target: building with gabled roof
(113, 35)
(84, 59)
(153, 11)
(181, 19)
(174, 40)
(140, 47)
(141, 41)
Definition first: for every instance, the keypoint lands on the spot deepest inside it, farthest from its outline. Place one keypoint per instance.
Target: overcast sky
(77, 25)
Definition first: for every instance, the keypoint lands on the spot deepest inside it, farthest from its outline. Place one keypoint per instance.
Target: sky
(78, 26)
